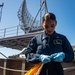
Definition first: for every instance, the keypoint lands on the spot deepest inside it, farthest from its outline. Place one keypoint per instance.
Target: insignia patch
(57, 41)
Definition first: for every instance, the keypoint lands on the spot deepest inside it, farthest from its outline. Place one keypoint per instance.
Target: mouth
(49, 31)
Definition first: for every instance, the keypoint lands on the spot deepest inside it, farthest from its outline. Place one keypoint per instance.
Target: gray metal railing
(16, 31)
(11, 31)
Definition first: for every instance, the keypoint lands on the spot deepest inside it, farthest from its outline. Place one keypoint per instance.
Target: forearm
(69, 57)
(32, 57)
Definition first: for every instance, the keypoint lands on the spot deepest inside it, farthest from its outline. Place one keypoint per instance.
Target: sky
(63, 9)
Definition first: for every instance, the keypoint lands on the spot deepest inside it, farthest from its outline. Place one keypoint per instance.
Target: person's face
(48, 24)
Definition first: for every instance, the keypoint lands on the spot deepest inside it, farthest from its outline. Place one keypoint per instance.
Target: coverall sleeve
(30, 52)
(68, 50)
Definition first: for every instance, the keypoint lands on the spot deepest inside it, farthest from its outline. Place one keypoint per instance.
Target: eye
(46, 26)
(53, 26)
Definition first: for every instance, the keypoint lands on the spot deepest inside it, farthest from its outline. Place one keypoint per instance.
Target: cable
(3, 55)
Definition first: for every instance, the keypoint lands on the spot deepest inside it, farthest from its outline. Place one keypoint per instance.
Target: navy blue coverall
(47, 45)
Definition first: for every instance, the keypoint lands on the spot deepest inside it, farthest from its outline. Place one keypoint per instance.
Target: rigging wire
(3, 55)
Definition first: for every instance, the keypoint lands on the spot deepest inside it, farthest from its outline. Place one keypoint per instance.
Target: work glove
(44, 58)
(53, 55)
(59, 57)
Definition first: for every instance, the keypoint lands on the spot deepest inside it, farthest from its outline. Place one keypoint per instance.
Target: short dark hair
(52, 16)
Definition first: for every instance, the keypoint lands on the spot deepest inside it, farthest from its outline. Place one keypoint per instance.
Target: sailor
(50, 48)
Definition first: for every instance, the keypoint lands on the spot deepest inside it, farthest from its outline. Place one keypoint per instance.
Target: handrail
(11, 31)
(15, 31)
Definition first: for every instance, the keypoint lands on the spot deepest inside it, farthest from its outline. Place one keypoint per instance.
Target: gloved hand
(59, 57)
(44, 58)
(53, 55)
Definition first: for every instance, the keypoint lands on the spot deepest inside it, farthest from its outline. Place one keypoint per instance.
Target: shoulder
(63, 38)
(60, 35)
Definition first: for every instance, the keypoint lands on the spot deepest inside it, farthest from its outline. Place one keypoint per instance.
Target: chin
(50, 32)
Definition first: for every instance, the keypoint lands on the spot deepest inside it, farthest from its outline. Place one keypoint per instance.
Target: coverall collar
(46, 36)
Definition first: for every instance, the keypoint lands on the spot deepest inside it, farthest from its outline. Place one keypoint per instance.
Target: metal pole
(45, 4)
(17, 30)
(40, 12)
(37, 14)
(4, 32)
(4, 70)
(1, 10)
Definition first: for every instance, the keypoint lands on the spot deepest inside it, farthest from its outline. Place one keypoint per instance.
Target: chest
(49, 46)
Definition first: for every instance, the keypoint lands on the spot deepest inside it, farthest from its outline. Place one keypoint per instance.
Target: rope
(69, 68)
(65, 69)
(13, 69)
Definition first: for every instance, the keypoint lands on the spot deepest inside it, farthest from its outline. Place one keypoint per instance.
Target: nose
(46, 24)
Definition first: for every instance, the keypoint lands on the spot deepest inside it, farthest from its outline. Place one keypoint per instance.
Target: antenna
(1, 7)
